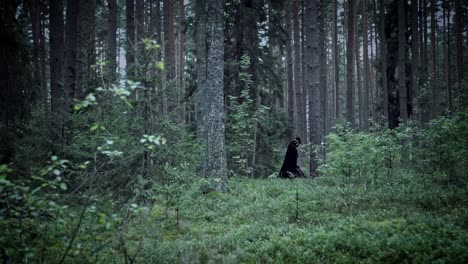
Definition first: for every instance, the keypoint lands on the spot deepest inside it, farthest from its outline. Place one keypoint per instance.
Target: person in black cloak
(290, 169)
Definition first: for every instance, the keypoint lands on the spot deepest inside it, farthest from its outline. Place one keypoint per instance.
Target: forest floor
(412, 219)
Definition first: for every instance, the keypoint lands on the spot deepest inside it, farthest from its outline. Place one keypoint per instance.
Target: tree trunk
(140, 32)
(336, 95)
(421, 40)
(86, 48)
(34, 11)
(158, 28)
(303, 70)
(150, 19)
(448, 88)
(169, 36)
(365, 110)
(435, 84)
(280, 74)
(459, 45)
(169, 54)
(139, 47)
(350, 66)
(112, 40)
(71, 48)
(130, 39)
(425, 60)
(300, 109)
(43, 60)
(312, 77)
(57, 46)
(160, 93)
(323, 70)
(357, 60)
(210, 67)
(402, 92)
(383, 62)
(182, 56)
(414, 52)
(375, 93)
(289, 63)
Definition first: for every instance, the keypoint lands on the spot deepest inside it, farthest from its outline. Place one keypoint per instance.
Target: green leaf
(101, 218)
(94, 127)
(63, 186)
(160, 66)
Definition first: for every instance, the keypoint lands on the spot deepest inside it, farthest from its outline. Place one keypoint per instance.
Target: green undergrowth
(308, 221)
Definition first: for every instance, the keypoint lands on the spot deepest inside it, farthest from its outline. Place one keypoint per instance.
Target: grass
(412, 220)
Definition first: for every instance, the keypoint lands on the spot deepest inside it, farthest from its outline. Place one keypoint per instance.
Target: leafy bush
(444, 147)
(362, 157)
(28, 207)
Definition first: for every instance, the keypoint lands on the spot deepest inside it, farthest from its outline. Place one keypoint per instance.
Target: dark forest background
(154, 131)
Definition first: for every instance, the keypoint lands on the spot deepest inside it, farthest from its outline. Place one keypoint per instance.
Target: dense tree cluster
(307, 65)
(154, 130)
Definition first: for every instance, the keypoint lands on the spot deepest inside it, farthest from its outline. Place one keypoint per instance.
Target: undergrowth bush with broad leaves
(28, 207)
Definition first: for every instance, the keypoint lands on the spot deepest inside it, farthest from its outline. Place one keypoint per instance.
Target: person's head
(297, 141)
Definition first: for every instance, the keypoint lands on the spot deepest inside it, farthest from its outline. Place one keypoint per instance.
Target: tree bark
(312, 77)
(140, 32)
(435, 84)
(57, 46)
(158, 28)
(289, 64)
(425, 60)
(414, 52)
(43, 60)
(303, 69)
(448, 88)
(86, 56)
(383, 62)
(374, 92)
(300, 109)
(357, 60)
(160, 93)
(365, 111)
(402, 91)
(459, 45)
(34, 12)
(323, 71)
(336, 94)
(71, 49)
(130, 38)
(169, 54)
(112, 40)
(182, 56)
(421, 39)
(169, 39)
(210, 64)
(350, 66)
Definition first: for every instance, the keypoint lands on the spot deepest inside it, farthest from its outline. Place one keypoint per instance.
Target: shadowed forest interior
(162, 131)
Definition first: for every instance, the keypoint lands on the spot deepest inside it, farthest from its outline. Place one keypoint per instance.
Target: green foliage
(251, 130)
(444, 147)
(406, 216)
(241, 124)
(254, 222)
(239, 133)
(29, 206)
(362, 157)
